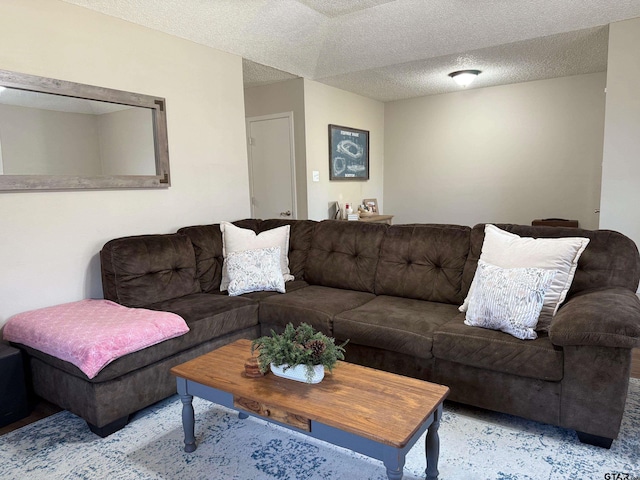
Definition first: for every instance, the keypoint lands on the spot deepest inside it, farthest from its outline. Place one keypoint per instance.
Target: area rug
(475, 444)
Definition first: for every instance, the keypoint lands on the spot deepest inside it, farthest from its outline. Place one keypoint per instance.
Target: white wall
(126, 142)
(284, 97)
(47, 142)
(621, 157)
(49, 241)
(326, 105)
(511, 153)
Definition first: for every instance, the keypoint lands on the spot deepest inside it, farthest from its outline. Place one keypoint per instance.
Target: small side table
(13, 392)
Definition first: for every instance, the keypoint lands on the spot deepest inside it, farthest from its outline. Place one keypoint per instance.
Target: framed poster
(348, 153)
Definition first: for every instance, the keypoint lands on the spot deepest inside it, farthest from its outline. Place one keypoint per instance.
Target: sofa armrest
(607, 318)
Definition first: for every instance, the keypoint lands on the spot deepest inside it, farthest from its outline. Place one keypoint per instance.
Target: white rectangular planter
(298, 373)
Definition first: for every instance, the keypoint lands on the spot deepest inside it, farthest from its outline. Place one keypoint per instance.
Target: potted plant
(298, 353)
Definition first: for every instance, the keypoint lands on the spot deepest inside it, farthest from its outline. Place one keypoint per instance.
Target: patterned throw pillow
(508, 250)
(236, 239)
(255, 270)
(508, 299)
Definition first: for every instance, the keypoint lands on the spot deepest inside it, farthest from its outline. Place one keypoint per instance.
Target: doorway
(271, 156)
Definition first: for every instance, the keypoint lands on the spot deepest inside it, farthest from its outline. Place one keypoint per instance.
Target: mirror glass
(60, 135)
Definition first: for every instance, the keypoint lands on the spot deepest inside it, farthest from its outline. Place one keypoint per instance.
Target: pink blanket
(92, 333)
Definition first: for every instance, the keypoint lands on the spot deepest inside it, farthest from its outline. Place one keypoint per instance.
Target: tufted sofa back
(141, 270)
(299, 242)
(427, 262)
(345, 255)
(423, 262)
(207, 246)
(610, 260)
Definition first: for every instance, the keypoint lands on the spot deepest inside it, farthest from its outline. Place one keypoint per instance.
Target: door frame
(273, 116)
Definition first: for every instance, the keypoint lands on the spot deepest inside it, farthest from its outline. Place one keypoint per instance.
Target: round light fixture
(464, 77)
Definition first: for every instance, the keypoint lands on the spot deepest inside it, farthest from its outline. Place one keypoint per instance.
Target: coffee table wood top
(374, 404)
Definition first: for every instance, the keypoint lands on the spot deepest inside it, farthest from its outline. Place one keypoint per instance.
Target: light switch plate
(316, 176)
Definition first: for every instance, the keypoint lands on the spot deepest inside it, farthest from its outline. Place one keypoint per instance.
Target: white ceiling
(57, 103)
(391, 49)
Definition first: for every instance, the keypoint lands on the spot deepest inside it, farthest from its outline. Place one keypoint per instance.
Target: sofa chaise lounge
(394, 292)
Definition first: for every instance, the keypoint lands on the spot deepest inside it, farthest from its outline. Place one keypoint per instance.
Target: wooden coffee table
(375, 413)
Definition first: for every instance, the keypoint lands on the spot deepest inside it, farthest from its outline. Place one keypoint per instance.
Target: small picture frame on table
(371, 206)
(348, 153)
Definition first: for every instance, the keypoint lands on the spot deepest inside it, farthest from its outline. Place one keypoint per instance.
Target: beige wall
(326, 105)
(126, 142)
(49, 241)
(64, 143)
(511, 153)
(621, 157)
(284, 97)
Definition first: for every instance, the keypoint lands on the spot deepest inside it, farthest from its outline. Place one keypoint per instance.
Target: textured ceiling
(390, 50)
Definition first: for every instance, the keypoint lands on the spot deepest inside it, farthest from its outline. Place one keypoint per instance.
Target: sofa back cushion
(299, 241)
(610, 259)
(424, 262)
(140, 270)
(345, 254)
(207, 246)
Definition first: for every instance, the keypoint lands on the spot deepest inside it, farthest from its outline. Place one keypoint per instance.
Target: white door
(272, 166)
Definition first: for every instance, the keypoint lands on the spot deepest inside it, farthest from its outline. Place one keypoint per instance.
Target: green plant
(298, 346)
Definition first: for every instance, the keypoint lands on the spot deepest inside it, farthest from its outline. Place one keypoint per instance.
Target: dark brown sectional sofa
(394, 292)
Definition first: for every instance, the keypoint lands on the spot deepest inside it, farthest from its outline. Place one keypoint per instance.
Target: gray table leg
(188, 423)
(432, 446)
(394, 462)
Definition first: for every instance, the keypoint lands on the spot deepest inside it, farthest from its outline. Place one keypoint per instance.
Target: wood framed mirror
(58, 135)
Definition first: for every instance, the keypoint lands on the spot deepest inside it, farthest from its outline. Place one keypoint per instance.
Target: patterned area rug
(475, 444)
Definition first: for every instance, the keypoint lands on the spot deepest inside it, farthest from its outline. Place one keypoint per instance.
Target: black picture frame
(348, 153)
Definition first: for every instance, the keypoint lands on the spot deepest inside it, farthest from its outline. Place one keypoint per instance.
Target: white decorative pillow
(508, 299)
(236, 239)
(255, 270)
(508, 250)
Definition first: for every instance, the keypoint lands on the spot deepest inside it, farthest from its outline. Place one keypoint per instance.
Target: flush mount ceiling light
(464, 77)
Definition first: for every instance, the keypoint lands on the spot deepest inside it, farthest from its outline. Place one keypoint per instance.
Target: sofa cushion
(315, 305)
(207, 245)
(345, 255)
(145, 269)
(299, 241)
(423, 262)
(498, 351)
(236, 239)
(610, 260)
(508, 250)
(208, 316)
(92, 333)
(288, 286)
(397, 324)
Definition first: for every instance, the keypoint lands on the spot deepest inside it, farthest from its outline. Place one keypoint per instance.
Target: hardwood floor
(41, 410)
(44, 409)
(635, 363)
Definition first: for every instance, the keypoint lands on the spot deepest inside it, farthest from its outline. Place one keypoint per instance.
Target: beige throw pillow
(236, 239)
(508, 250)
